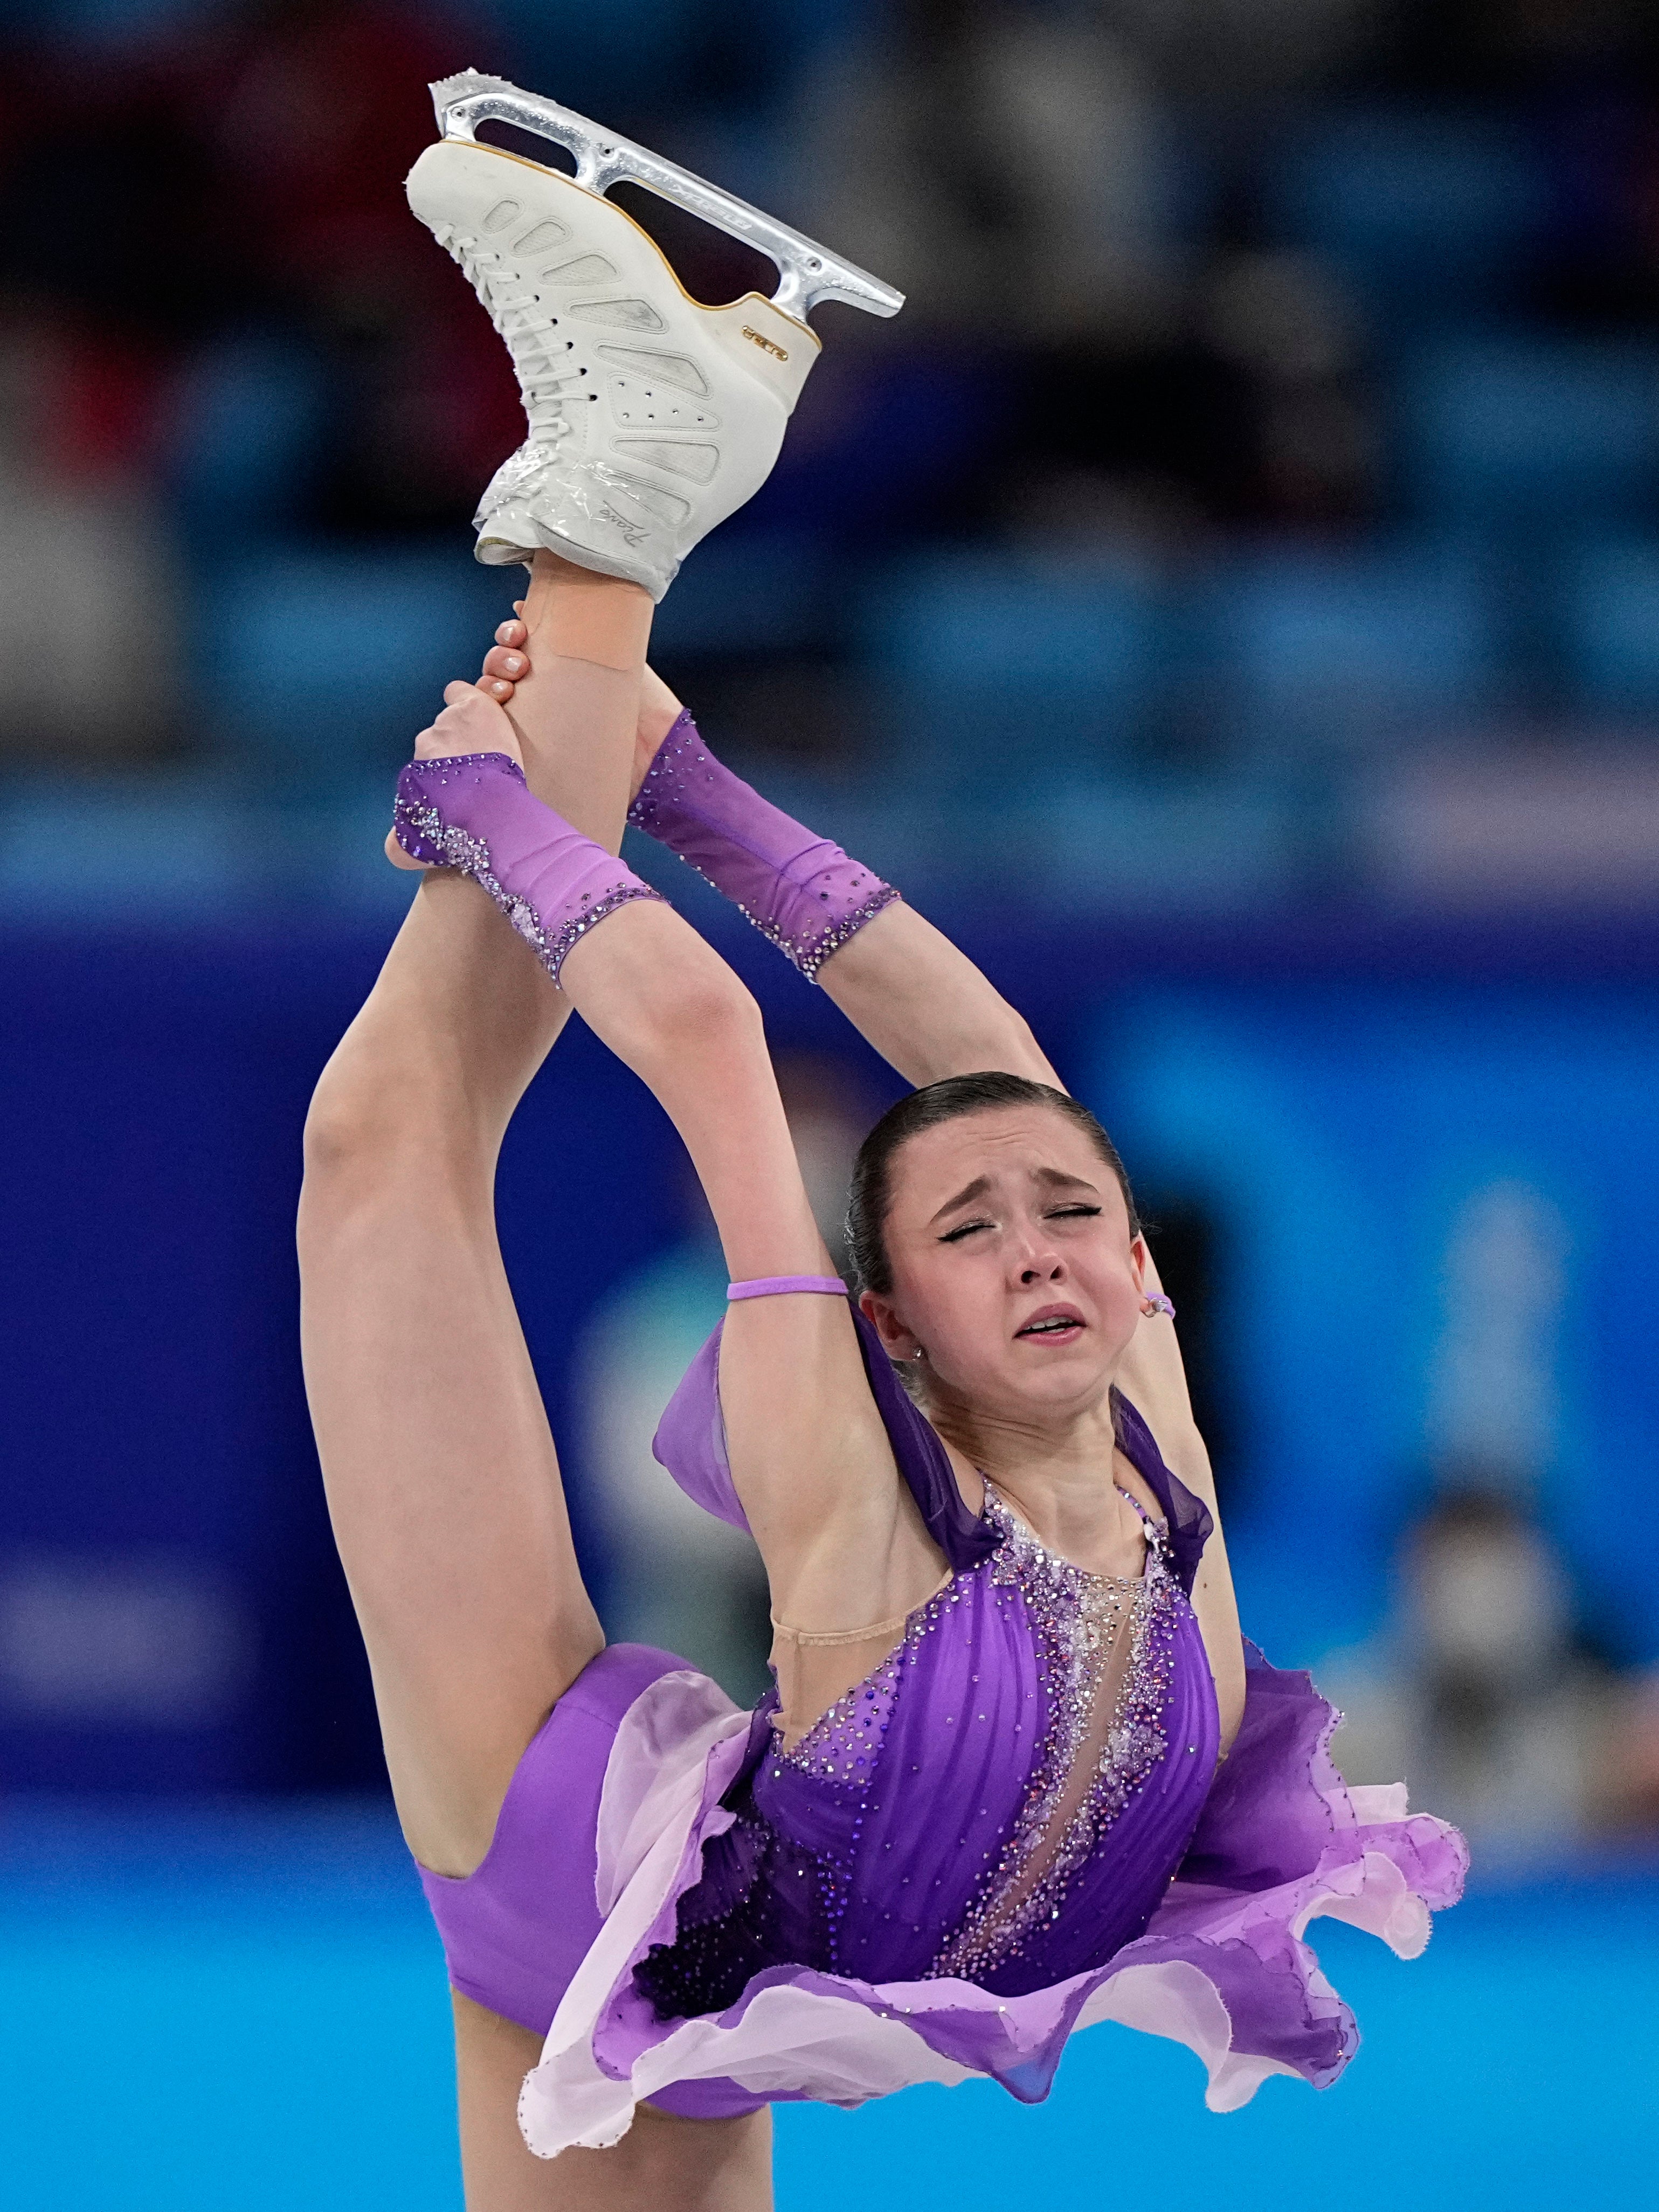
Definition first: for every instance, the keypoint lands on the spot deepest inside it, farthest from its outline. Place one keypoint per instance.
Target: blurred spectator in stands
(1308, 449)
(1635, 1766)
(1233, 58)
(1490, 1686)
(1505, 1708)
(316, 113)
(88, 608)
(1487, 1693)
(1010, 165)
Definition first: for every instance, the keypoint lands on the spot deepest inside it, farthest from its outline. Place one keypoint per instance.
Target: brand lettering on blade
(765, 345)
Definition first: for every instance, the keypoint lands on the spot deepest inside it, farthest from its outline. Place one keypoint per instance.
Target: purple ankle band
(474, 811)
(801, 892)
(773, 1286)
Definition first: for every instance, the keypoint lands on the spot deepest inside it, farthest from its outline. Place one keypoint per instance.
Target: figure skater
(1018, 1772)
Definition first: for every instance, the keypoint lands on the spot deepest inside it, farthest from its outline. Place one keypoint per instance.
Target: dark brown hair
(872, 1193)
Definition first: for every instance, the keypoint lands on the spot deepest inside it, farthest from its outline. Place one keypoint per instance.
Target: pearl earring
(918, 1353)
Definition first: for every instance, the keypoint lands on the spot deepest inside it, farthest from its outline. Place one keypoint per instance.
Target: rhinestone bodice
(977, 1808)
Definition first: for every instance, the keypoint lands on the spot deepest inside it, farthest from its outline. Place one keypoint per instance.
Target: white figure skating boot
(652, 417)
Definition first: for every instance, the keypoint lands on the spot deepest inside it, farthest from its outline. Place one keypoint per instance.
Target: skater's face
(1014, 1269)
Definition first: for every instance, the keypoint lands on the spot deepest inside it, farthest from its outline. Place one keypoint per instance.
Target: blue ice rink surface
(231, 2011)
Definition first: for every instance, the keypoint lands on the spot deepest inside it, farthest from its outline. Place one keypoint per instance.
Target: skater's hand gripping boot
(651, 417)
(462, 803)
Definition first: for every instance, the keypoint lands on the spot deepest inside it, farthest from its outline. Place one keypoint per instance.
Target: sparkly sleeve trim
(426, 835)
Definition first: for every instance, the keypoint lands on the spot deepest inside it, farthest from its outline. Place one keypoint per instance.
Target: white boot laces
(523, 327)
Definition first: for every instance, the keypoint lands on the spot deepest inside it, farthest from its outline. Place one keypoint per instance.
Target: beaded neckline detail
(1080, 1619)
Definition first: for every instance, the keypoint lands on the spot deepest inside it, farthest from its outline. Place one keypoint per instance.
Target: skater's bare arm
(808, 1449)
(809, 1453)
(924, 1005)
(904, 986)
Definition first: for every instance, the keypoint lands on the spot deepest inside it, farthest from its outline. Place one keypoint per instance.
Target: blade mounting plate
(808, 272)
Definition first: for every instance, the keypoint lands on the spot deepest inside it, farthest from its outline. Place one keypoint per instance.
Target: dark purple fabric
(517, 1928)
(801, 892)
(1278, 1820)
(1263, 1823)
(1190, 1524)
(1284, 1817)
(691, 1438)
(923, 1462)
(869, 1874)
(913, 1840)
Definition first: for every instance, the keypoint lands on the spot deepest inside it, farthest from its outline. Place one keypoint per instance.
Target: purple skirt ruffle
(1222, 1966)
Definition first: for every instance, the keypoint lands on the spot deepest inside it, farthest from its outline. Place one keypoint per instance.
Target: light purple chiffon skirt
(602, 1832)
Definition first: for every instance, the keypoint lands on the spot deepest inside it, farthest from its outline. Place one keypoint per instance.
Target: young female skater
(986, 1801)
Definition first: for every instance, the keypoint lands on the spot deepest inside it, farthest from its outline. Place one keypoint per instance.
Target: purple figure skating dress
(960, 1864)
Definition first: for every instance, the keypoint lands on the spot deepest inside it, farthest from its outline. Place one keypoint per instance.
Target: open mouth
(1054, 1325)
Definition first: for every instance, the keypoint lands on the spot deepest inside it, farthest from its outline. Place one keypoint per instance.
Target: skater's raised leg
(442, 1477)
(441, 1473)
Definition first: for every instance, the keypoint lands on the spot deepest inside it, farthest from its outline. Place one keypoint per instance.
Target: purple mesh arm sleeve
(474, 811)
(801, 892)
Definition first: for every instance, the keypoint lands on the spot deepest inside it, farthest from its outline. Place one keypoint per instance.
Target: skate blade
(808, 272)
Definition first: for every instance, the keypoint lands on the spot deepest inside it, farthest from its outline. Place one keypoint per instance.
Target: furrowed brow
(965, 1196)
(1055, 1180)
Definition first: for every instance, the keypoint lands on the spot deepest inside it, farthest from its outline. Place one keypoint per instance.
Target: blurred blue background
(1227, 598)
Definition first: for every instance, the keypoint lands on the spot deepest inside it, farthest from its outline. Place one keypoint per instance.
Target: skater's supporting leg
(663, 2162)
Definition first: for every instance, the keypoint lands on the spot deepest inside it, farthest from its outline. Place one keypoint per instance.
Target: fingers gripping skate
(651, 416)
(471, 722)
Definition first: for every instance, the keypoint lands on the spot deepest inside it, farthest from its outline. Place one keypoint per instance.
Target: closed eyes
(1054, 1213)
(963, 1229)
